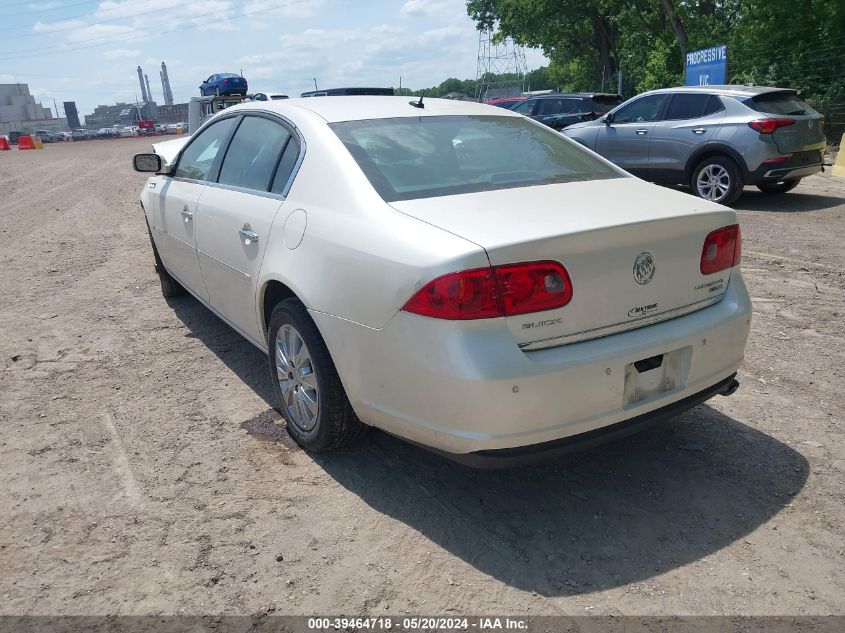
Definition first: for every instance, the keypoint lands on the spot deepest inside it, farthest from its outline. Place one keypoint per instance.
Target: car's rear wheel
(313, 401)
(717, 179)
(779, 187)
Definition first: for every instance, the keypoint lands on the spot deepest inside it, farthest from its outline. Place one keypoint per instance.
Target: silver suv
(716, 139)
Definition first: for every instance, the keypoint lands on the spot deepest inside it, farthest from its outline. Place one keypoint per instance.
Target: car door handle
(248, 234)
(699, 130)
(642, 131)
(187, 214)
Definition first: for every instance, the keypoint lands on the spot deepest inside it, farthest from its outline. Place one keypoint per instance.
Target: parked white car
(453, 273)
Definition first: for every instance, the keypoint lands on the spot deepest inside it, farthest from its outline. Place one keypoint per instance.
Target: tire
(779, 187)
(312, 399)
(717, 179)
(169, 286)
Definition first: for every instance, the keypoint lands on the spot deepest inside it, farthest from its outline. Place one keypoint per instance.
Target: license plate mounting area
(654, 377)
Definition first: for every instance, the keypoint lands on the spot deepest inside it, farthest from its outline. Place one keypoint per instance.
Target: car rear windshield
(779, 103)
(425, 157)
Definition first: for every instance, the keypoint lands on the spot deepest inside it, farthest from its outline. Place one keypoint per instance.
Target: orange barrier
(4, 144)
(25, 142)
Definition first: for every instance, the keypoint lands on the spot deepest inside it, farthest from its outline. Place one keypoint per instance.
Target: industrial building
(121, 114)
(19, 112)
(147, 108)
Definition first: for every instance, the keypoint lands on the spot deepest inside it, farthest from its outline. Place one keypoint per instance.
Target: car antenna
(418, 104)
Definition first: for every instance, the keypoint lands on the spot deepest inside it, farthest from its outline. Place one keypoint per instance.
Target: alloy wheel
(297, 379)
(713, 183)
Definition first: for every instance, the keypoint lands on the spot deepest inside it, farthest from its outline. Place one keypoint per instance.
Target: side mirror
(608, 118)
(147, 163)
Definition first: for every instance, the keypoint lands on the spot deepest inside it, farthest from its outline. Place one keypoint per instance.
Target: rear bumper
(466, 387)
(798, 165)
(525, 455)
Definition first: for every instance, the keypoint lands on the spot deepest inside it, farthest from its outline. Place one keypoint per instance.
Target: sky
(88, 50)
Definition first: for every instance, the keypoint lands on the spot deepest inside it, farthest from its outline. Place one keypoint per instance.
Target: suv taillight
(484, 293)
(722, 250)
(768, 126)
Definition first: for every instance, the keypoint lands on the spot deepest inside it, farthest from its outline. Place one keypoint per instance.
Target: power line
(67, 27)
(13, 4)
(127, 37)
(70, 6)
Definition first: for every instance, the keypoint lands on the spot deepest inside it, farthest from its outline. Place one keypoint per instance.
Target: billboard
(707, 67)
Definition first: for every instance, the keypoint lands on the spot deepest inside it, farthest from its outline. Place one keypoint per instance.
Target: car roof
(358, 108)
(732, 90)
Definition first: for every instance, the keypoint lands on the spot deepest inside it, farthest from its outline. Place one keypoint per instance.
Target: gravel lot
(143, 471)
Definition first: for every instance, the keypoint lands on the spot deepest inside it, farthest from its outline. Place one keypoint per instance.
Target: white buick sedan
(452, 273)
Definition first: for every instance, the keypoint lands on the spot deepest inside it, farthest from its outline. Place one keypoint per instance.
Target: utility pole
(619, 83)
(315, 84)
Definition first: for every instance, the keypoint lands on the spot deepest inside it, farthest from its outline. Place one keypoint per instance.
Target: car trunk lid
(632, 250)
(804, 135)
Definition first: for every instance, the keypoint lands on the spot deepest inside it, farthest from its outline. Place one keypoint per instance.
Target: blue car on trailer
(223, 84)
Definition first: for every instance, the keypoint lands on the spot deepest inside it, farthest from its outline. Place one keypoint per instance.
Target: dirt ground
(142, 472)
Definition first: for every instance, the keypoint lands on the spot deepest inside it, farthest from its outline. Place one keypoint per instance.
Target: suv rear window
(423, 157)
(779, 103)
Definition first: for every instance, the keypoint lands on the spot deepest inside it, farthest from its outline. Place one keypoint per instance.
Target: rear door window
(550, 106)
(692, 106)
(253, 153)
(786, 103)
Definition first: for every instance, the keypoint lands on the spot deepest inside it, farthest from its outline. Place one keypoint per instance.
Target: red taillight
(533, 287)
(484, 293)
(470, 294)
(722, 250)
(775, 161)
(768, 126)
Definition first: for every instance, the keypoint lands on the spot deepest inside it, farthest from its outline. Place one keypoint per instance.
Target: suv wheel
(313, 401)
(779, 187)
(717, 179)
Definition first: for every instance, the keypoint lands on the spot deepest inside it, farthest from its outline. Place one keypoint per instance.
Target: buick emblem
(644, 268)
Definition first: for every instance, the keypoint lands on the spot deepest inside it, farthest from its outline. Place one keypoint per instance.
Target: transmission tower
(501, 67)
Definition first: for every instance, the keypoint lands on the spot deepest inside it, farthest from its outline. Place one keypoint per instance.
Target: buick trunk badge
(644, 268)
